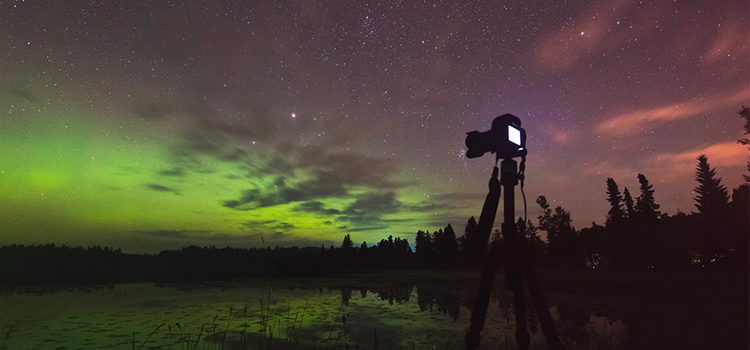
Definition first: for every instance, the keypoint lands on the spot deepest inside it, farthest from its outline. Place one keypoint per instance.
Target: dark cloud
(331, 175)
(191, 160)
(176, 172)
(285, 226)
(279, 165)
(316, 207)
(254, 198)
(370, 207)
(353, 169)
(202, 142)
(374, 202)
(161, 188)
(234, 155)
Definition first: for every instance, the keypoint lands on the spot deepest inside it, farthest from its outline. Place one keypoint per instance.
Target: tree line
(635, 235)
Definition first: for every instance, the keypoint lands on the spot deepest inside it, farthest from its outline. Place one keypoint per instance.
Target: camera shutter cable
(522, 176)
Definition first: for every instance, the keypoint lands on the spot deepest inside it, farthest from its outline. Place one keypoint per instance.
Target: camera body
(506, 138)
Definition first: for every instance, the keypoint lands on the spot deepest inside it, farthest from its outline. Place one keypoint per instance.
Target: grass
(273, 329)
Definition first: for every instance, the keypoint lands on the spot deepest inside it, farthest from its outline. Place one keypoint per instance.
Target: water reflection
(334, 313)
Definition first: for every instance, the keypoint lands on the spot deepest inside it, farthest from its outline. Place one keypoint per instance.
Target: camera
(506, 138)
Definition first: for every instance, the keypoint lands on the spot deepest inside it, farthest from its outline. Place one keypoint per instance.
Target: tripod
(517, 270)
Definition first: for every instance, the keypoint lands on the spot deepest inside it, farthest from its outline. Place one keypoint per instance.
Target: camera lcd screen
(514, 135)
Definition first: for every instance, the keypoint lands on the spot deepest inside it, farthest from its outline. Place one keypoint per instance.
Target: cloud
(672, 165)
(631, 122)
(317, 208)
(370, 207)
(285, 226)
(161, 188)
(325, 176)
(176, 172)
(255, 198)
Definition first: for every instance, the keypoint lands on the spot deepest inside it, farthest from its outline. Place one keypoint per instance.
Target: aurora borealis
(263, 123)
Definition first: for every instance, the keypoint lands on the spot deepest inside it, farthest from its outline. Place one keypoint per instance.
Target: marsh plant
(273, 325)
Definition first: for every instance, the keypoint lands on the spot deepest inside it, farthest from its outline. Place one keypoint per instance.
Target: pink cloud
(630, 122)
(720, 155)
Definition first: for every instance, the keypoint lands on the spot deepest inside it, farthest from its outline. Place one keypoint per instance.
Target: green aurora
(78, 179)
(151, 127)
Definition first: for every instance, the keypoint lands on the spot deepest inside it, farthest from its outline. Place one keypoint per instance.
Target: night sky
(264, 123)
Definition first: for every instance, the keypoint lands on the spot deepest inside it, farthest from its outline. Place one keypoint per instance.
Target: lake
(401, 311)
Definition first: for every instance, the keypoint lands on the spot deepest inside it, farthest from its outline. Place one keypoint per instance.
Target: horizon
(155, 128)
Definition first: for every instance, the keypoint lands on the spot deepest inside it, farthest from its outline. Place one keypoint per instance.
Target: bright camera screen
(514, 135)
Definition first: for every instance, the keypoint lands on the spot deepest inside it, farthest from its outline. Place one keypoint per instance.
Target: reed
(276, 330)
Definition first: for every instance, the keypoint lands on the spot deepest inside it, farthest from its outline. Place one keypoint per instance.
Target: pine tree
(645, 204)
(562, 239)
(536, 245)
(470, 243)
(712, 197)
(615, 214)
(423, 243)
(347, 244)
(448, 245)
(628, 199)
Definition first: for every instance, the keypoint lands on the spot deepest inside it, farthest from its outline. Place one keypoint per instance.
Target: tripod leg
(540, 304)
(479, 310)
(519, 310)
(514, 282)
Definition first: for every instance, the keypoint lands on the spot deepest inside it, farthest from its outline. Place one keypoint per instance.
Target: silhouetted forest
(635, 236)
